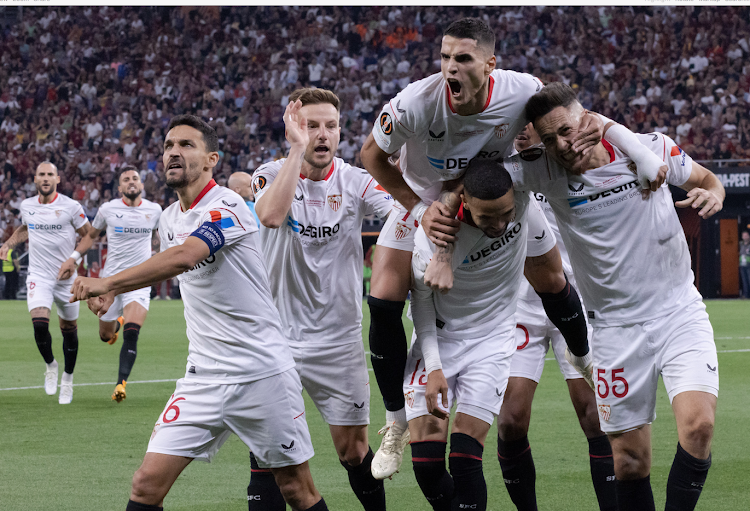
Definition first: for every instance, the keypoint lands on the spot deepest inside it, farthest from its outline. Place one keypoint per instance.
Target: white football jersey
(315, 258)
(436, 143)
(52, 233)
(486, 281)
(630, 256)
(232, 325)
(128, 233)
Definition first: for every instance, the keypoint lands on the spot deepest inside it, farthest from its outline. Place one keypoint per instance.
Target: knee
(294, 492)
(632, 463)
(588, 418)
(513, 424)
(353, 451)
(699, 432)
(144, 487)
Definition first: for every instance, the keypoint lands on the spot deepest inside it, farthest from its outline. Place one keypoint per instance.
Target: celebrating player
(130, 222)
(534, 336)
(471, 329)
(313, 205)
(50, 223)
(240, 373)
(469, 111)
(632, 263)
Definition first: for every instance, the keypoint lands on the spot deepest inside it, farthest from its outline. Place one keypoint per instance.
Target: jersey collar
(330, 172)
(486, 104)
(39, 198)
(140, 203)
(609, 149)
(205, 190)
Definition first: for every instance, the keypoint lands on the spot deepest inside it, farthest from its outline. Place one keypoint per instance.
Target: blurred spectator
(745, 263)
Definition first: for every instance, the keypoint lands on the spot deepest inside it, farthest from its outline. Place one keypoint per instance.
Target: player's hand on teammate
(87, 287)
(590, 133)
(709, 203)
(437, 385)
(439, 273)
(439, 225)
(67, 269)
(296, 125)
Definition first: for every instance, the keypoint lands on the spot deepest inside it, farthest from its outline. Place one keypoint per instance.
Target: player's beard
(183, 179)
(47, 193)
(132, 196)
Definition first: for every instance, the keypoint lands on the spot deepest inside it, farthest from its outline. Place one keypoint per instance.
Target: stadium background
(93, 88)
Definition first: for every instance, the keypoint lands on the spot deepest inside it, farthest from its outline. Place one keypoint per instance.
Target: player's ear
(213, 159)
(491, 64)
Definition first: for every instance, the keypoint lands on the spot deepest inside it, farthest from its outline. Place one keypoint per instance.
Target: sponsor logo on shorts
(539, 237)
(334, 201)
(499, 392)
(402, 230)
(192, 370)
(604, 412)
(359, 407)
(711, 369)
(386, 124)
(409, 397)
(289, 448)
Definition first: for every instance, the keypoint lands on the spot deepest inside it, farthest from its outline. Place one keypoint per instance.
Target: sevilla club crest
(501, 130)
(402, 230)
(604, 412)
(334, 201)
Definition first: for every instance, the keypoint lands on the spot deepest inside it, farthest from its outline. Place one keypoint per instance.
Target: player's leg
(356, 457)
(600, 451)
(134, 314)
(389, 286)
(68, 315)
(40, 320)
(153, 479)
(695, 414)
(429, 439)
(513, 449)
(296, 485)
(262, 492)
(560, 299)
(465, 460)
(691, 376)
(632, 456)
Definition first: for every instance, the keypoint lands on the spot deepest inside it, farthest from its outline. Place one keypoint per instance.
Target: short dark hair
(550, 97)
(210, 139)
(310, 96)
(124, 169)
(472, 28)
(486, 180)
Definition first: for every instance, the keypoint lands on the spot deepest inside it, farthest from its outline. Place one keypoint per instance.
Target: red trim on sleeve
(215, 216)
(205, 190)
(366, 187)
(609, 149)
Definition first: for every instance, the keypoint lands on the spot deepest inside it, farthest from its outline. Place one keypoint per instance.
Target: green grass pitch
(83, 456)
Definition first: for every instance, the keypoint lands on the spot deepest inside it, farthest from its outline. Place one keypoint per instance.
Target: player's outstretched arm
(19, 236)
(273, 206)
(162, 266)
(651, 170)
(68, 268)
(704, 190)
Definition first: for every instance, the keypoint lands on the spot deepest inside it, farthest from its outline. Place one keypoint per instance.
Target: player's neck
(314, 173)
(478, 102)
(132, 203)
(190, 192)
(599, 158)
(47, 199)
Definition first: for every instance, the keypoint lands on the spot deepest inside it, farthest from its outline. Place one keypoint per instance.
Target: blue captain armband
(211, 235)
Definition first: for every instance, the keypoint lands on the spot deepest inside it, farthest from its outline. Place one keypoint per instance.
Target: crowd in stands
(93, 88)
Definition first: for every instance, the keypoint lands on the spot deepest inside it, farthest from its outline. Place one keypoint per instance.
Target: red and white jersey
(52, 233)
(486, 281)
(630, 256)
(232, 325)
(315, 258)
(129, 231)
(436, 143)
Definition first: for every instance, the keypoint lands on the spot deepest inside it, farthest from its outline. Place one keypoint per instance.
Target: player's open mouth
(455, 87)
(174, 165)
(321, 149)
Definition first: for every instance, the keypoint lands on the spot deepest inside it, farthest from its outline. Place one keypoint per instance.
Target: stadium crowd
(93, 88)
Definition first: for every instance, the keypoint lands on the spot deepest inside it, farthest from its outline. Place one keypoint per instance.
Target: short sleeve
(376, 199)
(398, 120)
(100, 220)
(79, 217)
(264, 176)
(226, 221)
(679, 163)
(23, 214)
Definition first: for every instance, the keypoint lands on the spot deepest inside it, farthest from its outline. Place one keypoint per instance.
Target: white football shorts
(477, 372)
(141, 296)
(43, 292)
(337, 380)
(534, 334)
(629, 359)
(268, 415)
(398, 231)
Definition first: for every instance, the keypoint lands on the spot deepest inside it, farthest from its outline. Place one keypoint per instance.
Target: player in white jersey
(312, 206)
(130, 222)
(633, 267)
(471, 330)
(469, 111)
(535, 334)
(50, 222)
(240, 375)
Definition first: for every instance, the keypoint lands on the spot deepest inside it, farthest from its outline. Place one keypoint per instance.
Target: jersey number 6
(172, 406)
